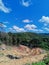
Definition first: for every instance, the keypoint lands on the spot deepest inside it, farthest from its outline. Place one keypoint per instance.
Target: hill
(27, 38)
(22, 48)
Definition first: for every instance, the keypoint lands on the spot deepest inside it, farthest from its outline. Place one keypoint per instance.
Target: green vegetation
(37, 63)
(45, 61)
(27, 38)
(1, 54)
(32, 40)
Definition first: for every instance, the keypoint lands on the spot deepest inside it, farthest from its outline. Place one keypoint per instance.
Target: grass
(1, 54)
(37, 63)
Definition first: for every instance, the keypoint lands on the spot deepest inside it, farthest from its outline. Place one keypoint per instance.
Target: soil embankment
(20, 55)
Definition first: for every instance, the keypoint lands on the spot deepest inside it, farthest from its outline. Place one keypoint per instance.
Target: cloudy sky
(24, 15)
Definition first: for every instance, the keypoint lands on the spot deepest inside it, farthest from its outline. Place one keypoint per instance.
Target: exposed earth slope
(23, 54)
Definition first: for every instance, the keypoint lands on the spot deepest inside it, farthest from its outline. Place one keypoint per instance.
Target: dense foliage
(37, 63)
(46, 59)
(27, 38)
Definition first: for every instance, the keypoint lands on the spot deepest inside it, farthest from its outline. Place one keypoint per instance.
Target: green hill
(27, 38)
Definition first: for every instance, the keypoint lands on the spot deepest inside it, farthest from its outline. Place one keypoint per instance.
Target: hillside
(27, 38)
(20, 55)
(22, 48)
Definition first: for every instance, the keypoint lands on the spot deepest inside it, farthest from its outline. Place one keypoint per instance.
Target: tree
(35, 42)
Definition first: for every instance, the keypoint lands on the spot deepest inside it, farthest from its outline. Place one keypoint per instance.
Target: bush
(39, 63)
(46, 60)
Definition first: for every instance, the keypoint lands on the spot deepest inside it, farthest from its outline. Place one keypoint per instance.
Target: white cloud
(37, 30)
(2, 25)
(33, 28)
(4, 8)
(27, 21)
(11, 29)
(45, 24)
(26, 28)
(44, 19)
(30, 26)
(26, 3)
(47, 29)
(17, 29)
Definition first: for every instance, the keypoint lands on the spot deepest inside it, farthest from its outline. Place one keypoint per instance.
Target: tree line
(27, 38)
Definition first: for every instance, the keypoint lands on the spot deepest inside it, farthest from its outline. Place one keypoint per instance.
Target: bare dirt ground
(26, 55)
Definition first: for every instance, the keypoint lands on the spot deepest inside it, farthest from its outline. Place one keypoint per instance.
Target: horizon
(23, 32)
(20, 16)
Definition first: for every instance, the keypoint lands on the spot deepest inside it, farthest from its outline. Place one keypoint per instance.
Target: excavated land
(20, 55)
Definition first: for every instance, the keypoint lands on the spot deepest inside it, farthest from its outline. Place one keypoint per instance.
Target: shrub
(39, 63)
(46, 60)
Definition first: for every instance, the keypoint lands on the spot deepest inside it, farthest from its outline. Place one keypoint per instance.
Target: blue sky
(25, 15)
